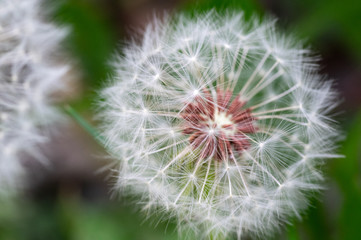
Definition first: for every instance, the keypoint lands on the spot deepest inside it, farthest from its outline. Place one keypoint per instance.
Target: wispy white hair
(29, 75)
(185, 61)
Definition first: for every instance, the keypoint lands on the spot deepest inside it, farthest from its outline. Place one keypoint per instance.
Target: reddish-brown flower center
(218, 125)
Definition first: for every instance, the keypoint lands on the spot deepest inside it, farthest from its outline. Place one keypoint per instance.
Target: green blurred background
(72, 199)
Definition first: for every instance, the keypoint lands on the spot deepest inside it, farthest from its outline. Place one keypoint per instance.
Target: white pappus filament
(220, 123)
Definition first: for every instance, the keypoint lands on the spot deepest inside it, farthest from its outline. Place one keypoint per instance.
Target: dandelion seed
(229, 141)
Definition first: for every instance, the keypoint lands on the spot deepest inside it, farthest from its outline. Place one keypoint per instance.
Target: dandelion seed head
(29, 75)
(230, 138)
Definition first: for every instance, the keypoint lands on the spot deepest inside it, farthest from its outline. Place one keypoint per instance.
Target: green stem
(85, 125)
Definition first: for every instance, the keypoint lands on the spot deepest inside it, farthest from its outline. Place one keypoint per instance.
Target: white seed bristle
(239, 169)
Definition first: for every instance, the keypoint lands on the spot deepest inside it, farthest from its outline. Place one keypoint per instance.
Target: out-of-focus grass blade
(85, 125)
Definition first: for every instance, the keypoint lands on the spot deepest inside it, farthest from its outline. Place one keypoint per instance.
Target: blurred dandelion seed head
(221, 123)
(29, 76)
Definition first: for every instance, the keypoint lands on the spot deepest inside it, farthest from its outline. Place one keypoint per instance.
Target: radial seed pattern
(220, 123)
(217, 127)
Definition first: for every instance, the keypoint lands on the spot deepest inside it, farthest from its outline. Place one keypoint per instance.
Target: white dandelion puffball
(219, 123)
(29, 75)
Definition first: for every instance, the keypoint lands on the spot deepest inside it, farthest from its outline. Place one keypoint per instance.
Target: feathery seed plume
(220, 123)
(29, 75)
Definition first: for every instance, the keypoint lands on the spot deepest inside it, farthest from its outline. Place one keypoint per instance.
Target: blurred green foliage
(249, 7)
(92, 42)
(73, 219)
(331, 20)
(347, 174)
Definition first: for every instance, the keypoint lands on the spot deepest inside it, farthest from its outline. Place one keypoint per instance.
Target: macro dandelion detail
(220, 123)
(30, 74)
(210, 117)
